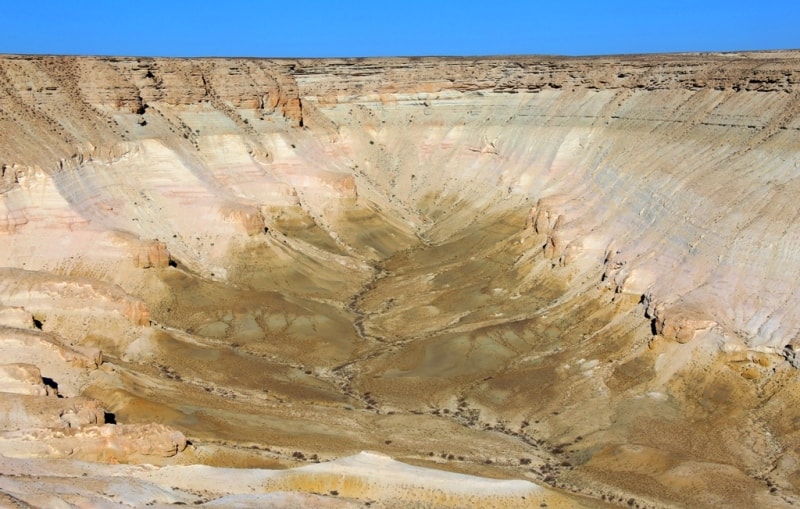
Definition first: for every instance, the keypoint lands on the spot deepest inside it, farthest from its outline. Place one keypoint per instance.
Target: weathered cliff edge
(633, 221)
(677, 171)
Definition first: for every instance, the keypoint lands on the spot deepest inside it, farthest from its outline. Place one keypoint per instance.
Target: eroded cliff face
(574, 271)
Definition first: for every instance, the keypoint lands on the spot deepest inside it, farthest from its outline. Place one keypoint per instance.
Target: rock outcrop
(21, 378)
(31, 412)
(104, 442)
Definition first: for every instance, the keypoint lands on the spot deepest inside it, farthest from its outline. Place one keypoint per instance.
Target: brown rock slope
(580, 272)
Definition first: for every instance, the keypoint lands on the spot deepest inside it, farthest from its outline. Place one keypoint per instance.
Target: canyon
(495, 282)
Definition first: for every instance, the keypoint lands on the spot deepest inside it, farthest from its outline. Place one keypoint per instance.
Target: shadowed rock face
(579, 272)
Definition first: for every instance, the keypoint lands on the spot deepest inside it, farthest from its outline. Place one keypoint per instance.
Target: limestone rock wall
(676, 174)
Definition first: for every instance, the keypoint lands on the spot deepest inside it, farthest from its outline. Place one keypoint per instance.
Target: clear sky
(311, 28)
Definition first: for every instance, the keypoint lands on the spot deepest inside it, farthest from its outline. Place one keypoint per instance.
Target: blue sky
(347, 28)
